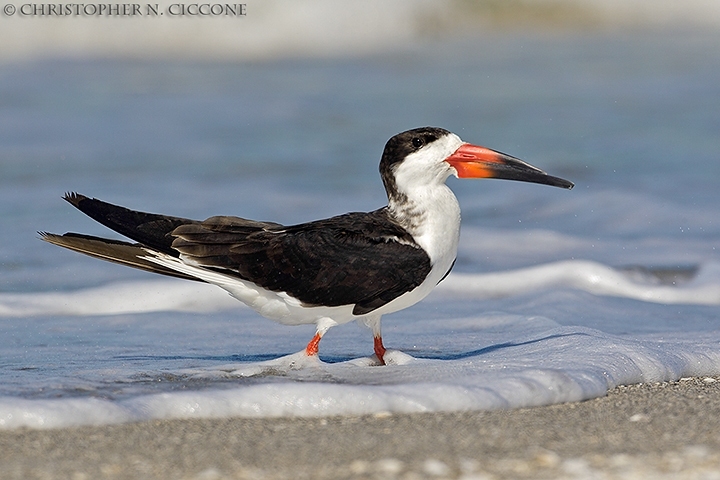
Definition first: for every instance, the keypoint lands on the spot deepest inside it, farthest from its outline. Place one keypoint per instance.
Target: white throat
(424, 205)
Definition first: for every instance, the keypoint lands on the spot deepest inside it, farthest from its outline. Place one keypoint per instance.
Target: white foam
(474, 362)
(118, 298)
(588, 276)
(528, 362)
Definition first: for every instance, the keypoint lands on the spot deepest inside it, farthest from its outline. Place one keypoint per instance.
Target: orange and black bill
(473, 161)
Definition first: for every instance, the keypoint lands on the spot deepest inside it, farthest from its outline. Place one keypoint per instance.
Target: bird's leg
(379, 349)
(323, 325)
(314, 345)
(373, 322)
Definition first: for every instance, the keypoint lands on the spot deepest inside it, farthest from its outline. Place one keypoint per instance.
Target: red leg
(314, 345)
(379, 349)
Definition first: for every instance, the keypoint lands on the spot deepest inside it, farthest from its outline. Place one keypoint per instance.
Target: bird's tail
(130, 254)
(149, 229)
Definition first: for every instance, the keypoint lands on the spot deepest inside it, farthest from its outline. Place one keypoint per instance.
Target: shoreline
(667, 429)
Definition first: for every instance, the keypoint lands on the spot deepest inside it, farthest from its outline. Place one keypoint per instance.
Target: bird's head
(425, 156)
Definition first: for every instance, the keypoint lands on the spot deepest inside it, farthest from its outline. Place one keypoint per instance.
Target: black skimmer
(357, 266)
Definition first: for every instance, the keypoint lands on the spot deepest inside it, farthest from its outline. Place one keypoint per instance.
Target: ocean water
(556, 296)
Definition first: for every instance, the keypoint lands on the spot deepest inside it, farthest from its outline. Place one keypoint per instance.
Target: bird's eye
(417, 142)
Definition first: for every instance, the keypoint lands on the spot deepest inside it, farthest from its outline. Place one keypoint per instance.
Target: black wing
(363, 259)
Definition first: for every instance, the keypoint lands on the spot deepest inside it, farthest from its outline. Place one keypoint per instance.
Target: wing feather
(358, 258)
(129, 254)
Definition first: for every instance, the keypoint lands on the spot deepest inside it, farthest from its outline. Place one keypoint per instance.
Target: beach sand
(660, 430)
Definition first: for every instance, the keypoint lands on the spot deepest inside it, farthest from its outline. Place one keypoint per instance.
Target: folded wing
(357, 258)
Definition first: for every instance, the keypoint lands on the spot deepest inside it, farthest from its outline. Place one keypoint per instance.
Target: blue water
(632, 119)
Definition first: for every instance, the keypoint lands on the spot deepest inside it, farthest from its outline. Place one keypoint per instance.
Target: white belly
(282, 308)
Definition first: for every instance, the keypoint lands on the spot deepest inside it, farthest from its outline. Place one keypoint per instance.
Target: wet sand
(662, 430)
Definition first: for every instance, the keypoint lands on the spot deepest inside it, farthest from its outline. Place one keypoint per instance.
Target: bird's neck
(432, 216)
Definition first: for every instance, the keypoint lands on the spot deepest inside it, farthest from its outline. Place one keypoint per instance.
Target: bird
(356, 266)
